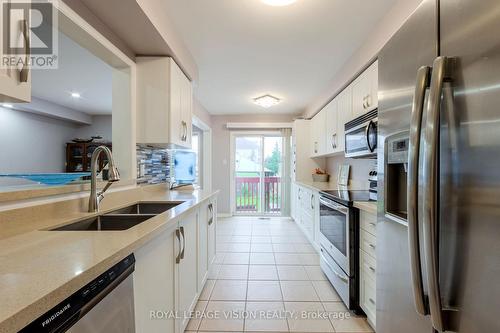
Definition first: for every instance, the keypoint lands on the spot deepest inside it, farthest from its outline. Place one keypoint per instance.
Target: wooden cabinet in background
(79, 155)
(164, 103)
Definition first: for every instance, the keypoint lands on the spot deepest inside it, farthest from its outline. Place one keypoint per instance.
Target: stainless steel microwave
(361, 136)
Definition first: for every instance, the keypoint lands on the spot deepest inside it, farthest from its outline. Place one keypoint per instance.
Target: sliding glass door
(258, 174)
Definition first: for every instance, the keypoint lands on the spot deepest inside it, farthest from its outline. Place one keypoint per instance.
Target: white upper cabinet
(15, 83)
(318, 132)
(332, 135)
(164, 103)
(365, 91)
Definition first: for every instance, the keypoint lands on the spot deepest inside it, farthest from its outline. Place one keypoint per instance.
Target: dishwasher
(105, 305)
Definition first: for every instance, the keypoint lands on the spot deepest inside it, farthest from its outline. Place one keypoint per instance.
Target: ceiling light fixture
(10, 106)
(277, 3)
(75, 95)
(266, 101)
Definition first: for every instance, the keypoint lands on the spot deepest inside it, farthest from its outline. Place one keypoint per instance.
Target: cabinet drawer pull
(372, 246)
(183, 242)
(371, 301)
(372, 224)
(372, 269)
(178, 236)
(211, 209)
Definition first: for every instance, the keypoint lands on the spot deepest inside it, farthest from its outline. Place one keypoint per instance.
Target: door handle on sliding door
(423, 75)
(440, 74)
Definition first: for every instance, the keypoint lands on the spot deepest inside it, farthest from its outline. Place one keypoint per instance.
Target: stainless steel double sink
(120, 219)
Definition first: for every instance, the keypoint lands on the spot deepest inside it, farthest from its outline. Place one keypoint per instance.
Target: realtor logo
(29, 34)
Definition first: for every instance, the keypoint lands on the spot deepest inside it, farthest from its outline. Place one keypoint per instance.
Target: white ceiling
(78, 71)
(245, 49)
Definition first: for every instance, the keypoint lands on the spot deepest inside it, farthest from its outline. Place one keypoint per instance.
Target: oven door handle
(332, 205)
(337, 274)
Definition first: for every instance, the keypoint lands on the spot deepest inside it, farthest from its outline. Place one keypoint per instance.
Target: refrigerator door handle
(423, 81)
(440, 74)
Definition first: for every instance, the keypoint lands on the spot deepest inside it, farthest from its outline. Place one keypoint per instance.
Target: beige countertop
(39, 269)
(370, 207)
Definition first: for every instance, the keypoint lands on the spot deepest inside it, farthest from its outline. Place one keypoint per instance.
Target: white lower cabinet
(187, 284)
(155, 278)
(171, 271)
(306, 212)
(368, 266)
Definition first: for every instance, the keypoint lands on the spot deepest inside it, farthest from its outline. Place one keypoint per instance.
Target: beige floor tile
(264, 291)
(238, 247)
(242, 232)
(283, 248)
(281, 239)
(309, 259)
(213, 272)
(207, 290)
(287, 259)
(298, 291)
(229, 290)
(224, 238)
(260, 232)
(219, 257)
(235, 258)
(223, 246)
(261, 247)
(262, 272)
(261, 239)
(306, 317)
(257, 258)
(299, 239)
(194, 322)
(304, 248)
(223, 322)
(326, 291)
(240, 239)
(262, 317)
(315, 273)
(233, 272)
(292, 273)
(343, 321)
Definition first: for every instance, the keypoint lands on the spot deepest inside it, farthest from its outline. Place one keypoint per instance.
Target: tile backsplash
(153, 164)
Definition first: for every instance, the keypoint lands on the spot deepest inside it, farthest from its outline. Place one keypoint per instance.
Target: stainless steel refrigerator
(438, 231)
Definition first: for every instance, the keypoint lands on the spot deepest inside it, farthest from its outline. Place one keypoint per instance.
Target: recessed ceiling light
(10, 106)
(266, 101)
(75, 95)
(278, 2)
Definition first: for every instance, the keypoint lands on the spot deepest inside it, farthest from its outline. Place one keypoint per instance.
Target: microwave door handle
(423, 75)
(430, 174)
(367, 134)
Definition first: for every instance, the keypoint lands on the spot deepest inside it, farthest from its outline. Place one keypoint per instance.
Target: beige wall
(221, 151)
(359, 170)
(202, 113)
(391, 22)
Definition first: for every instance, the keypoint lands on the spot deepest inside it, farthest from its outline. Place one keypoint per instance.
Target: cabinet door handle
(312, 201)
(178, 235)
(24, 73)
(183, 242)
(334, 141)
(184, 130)
(368, 99)
(372, 246)
(372, 269)
(211, 209)
(371, 301)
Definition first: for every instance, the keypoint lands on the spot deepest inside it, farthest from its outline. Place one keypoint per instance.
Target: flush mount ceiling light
(278, 2)
(266, 101)
(75, 95)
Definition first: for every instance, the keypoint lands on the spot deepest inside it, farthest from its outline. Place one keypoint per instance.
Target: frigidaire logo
(55, 315)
